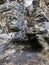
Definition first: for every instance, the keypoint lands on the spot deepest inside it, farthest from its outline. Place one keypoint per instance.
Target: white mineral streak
(28, 2)
(11, 51)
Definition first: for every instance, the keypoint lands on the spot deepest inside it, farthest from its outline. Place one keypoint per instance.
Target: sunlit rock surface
(28, 2)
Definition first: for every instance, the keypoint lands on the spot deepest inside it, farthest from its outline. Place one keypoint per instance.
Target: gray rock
(16, 25)
(14, 18)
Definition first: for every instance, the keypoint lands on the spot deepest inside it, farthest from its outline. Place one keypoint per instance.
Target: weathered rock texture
(25, 22)
(13, 19)
(21, 19)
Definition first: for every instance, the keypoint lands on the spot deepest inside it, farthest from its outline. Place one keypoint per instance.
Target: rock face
(13, 19)
(36, 21)
(21, 19)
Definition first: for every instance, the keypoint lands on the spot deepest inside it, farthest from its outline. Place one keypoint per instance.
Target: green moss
(46, 52)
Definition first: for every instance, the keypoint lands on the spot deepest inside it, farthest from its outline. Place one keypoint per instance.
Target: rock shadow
(31, 44)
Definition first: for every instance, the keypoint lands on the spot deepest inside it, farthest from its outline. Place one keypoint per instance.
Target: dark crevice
(47, 39)
(2, 1)
(33, 44)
